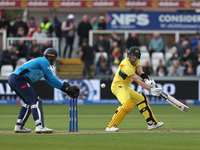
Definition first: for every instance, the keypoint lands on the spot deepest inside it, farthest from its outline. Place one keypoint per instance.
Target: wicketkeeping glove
(151, 83)
(156, 91)
(72, 91)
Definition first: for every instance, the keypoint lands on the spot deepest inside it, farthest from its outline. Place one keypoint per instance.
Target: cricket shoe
(41, 129)
(155, 125)
(19, 129)
(112, 129)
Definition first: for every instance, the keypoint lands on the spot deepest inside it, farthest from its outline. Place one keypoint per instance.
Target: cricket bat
(174, 101)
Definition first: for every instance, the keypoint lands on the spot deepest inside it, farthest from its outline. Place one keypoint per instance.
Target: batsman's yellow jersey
(126, 95)
(122, 77)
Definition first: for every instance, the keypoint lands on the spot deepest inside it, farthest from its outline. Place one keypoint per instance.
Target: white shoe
(40, 129)
(112, 129)
(155, 125)
(18, 129)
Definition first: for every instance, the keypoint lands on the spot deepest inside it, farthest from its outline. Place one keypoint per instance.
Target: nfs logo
(129, 19)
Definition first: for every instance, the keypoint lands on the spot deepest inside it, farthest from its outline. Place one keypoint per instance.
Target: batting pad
(37, 112)
(24, 114)
(121, 113)
(145, 109)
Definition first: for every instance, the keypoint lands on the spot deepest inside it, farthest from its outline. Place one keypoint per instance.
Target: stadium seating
(156, 56)
(6, 70)
(168, 55)
(144, 56)
(143, 49)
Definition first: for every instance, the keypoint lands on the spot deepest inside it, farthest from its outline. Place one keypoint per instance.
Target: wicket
(73, 115)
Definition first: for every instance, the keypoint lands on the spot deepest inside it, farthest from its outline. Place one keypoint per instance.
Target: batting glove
(151, 83)
(156, 91)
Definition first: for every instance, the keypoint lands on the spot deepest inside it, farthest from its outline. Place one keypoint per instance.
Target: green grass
(181, 131)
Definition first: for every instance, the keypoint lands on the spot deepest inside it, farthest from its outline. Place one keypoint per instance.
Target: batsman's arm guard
(72, 91)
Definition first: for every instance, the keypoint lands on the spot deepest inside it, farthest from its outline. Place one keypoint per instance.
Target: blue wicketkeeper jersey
(36, 69)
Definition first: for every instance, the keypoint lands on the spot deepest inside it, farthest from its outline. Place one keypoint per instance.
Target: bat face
(174, 101)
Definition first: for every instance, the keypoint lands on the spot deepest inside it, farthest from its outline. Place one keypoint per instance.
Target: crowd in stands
(184, 59)
(105, 54)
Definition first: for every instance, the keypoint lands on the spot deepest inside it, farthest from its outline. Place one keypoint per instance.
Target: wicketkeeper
(20, 80)
(128, 97)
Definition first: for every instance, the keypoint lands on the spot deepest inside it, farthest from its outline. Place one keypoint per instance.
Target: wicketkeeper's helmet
(50, 53)
(134, 51)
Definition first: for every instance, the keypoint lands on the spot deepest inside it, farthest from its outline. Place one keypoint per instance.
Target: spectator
(20, 32)
(147, 68)
(39, 35)
(31, 49)
(5, 25)
(69, 28)
(194, 41)
(115, 52)
(176, 69)
(8, 57)
(198, 59)
(33, 53)
(156, 44)
(103, 69)
(19, 23)
(115, 67)
(102, 23)
(21, 50)
(32, 45)
(190, 68)
(132, 41)
(58, 32)
(179, 44)
(174, 57)
(197, 49)
(32, 27)
(47, 26)
(83, 29)
(198, 70)
(114, 37)
(101, 58)
(163, 68)
(161, 72)
(95, 23)
(45, 46)
(189, 71)
(101, 45)
(87, 55)
(185, 45)
(188, 55)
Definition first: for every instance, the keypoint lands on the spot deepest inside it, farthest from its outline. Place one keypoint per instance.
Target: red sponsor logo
(24, 86)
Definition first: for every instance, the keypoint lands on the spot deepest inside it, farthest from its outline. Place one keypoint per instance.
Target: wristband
(144, 76)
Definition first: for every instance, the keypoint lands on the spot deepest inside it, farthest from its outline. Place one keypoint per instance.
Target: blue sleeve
(161, 45)
(54, 82)
(49, 77)
(193, 41)
(151, 44)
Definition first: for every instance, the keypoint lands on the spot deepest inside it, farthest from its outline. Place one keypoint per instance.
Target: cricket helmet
(134, 51)
(50, 53)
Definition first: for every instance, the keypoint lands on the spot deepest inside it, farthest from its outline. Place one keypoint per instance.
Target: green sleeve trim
(123, 75)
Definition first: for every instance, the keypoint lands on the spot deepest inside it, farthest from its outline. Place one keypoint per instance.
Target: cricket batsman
(33, 71)
(128, 97)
